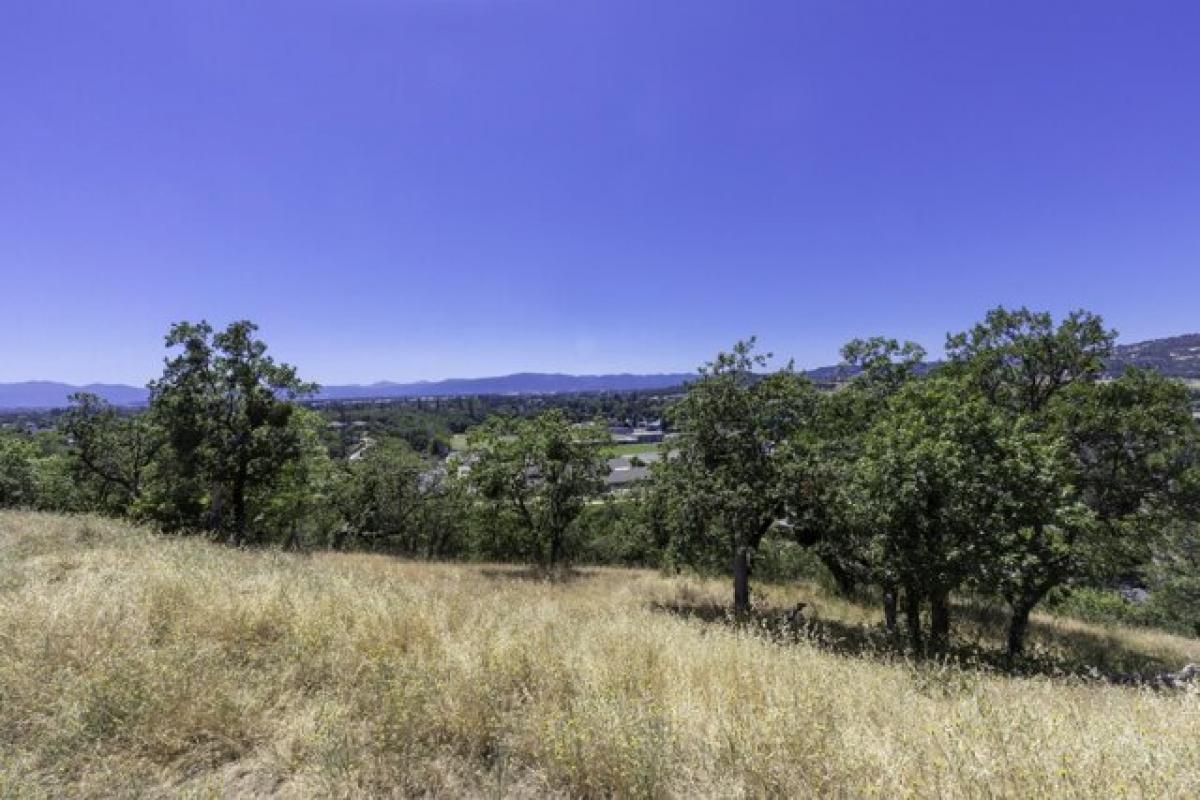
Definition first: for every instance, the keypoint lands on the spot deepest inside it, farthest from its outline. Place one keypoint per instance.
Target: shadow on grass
(538, 574)
(1058, 647)
(1074, 653)
(780, 625)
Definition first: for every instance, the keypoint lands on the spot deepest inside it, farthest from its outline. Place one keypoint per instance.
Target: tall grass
(132, 664)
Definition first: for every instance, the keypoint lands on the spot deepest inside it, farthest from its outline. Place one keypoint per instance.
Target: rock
(1134, 594)
(1161, 680)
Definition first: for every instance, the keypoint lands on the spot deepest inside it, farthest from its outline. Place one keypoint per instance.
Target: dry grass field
(136, 665)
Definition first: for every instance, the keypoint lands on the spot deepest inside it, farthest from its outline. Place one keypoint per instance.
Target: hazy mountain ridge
(518, 383)
(1174, 356)
(51, 394)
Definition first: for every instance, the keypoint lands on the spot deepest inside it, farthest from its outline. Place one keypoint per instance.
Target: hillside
(133, 664)
(51, 394)
(48, 394)
(1176, 356)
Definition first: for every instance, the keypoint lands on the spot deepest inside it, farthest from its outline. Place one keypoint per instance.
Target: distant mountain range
(47, 394)
(520, 383)
(1176, 357)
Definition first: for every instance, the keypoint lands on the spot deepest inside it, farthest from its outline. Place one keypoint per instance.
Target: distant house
(643, 434)
(627, 470)
(622, 472)
(639, 436)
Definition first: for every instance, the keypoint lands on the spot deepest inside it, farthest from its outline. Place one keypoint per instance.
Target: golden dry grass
(134, 665)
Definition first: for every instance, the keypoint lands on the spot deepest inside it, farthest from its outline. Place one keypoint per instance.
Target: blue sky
(432, 189)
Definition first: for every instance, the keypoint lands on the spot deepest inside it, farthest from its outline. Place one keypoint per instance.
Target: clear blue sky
(430, 189)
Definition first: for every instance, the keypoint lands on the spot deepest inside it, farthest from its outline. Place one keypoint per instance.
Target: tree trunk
(1018, 621)
(338, 538)
(939, 623)
(741, 579)
(890, 591)
(912, 616)
(556, 547)
(1018, 626)
(239, 505)
(216, 508)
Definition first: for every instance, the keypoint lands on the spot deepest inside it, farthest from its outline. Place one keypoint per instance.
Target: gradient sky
(431, 189)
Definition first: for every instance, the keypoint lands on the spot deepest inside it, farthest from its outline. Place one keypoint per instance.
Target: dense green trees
(18, 476)
(1010, 470)
(224, 407)
(34, 472)
(537, 475)
(1124, 445)
(298, 506)
(382, 493)
(111, 453)
(393, 498)
(726, 484)
(934, 488)
(823, 459)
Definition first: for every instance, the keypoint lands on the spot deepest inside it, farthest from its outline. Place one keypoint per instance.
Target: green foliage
(727, 484)
(34, 473)
(18, 472)
(618, 530)
(110, 453)
(381, 493)
(821, 458)
(1020, 359)
(225, 410)
(938, 480)
(57, 489)
(297, 508)
(1172, 606)
(435, 426)
(392, 498)
(536, 476)
(1126, 442)
(781, 558)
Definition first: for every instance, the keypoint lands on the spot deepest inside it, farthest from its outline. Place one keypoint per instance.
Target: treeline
(1010, 472)
(227, 448)
(430, 425)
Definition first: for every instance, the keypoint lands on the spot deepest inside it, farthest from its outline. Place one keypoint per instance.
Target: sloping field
(135, 665)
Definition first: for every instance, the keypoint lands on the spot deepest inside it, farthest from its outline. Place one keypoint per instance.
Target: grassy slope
(134, 664)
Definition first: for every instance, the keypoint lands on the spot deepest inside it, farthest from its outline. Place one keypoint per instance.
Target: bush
(615, 532)
(779, 559)
(1176, 604)
(1172, 606)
